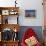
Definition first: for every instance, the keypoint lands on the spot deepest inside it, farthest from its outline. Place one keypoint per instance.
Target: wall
(24, 5)
(32, 4)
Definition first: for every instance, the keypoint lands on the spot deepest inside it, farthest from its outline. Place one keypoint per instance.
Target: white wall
(32, 4)
(25, 5)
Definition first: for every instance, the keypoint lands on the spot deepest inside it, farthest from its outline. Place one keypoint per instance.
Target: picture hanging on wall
(30, 13)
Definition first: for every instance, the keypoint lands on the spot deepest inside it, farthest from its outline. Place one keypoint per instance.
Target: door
(45, 21)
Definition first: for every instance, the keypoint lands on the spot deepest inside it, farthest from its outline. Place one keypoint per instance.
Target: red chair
(29, 33)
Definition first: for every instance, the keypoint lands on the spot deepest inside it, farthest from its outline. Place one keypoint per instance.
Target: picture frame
(5, 12)
(30, 13)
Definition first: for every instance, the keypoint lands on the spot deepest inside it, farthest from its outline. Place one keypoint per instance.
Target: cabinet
(9, 26)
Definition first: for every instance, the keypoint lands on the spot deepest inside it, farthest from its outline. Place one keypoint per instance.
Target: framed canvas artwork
(30, 13)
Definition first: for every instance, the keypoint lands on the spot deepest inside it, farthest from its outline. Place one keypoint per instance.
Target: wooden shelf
(10, 43)
(11, 26)
(6, 13)
(9, 8)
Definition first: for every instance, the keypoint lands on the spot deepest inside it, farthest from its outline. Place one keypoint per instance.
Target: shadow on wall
(37, 29)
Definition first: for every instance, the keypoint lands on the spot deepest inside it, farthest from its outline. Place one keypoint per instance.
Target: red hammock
(29, 33)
